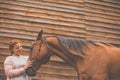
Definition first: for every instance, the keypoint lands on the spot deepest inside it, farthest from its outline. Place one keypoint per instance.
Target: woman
(16, 64)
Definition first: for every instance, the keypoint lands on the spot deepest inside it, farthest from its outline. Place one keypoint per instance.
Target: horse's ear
(39, 35)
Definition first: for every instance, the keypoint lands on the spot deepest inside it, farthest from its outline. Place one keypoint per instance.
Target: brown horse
(92, 60)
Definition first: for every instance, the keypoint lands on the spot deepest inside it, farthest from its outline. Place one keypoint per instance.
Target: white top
(13, 66)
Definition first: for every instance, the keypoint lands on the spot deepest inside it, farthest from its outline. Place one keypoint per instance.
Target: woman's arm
(10, 70)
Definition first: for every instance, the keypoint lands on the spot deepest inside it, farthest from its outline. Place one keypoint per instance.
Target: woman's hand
(28, 64)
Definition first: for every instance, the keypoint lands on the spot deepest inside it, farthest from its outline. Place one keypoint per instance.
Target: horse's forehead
(35, 43)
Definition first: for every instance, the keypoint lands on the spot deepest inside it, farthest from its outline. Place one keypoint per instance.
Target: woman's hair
(12, 43)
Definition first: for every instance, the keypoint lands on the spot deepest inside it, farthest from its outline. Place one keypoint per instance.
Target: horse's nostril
(30, 71)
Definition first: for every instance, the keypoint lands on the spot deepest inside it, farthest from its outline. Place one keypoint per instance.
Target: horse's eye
(31, 49)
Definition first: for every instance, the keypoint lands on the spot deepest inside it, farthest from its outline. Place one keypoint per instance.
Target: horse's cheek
(45, 60)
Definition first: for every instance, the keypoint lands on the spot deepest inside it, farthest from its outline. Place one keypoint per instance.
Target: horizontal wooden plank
(58, 64)
(35, 27)
(103, 29)
(56, 77)
(104, 4)
(4, 53)
(102, 39)
(17, 31)
(41, 20)
(76, 1)
(96, 28)
(89, 13)
(54, 71)
(59, 4)
(63, 2)
(104, 20)
(113, 1)
(26, 10)
(99, 11)
(65, 32)
(102, 9)
(20, 36)
(29, 37)
(101, 24)
(32, 5)
(104, 33)
(40, 15)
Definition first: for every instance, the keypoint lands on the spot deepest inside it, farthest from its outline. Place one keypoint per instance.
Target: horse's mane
(77, 46)
(74, 45)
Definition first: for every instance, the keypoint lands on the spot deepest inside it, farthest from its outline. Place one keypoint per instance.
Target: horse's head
(38, 55)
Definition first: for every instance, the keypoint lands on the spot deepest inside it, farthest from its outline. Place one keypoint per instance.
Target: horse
(93, 60)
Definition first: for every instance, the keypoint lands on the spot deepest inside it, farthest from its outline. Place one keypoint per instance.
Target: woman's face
(17, 49)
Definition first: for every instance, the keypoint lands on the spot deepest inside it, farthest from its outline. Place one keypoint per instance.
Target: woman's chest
(19, 62)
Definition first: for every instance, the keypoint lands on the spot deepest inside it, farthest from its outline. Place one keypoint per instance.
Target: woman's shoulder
(8, 59)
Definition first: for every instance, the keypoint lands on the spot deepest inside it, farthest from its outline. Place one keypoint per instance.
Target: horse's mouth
(30, 71)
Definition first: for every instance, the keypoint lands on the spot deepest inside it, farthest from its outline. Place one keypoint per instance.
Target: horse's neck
(61, 55)
(54, 45)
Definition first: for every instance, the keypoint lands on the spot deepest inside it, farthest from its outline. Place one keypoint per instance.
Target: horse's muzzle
(30, 71)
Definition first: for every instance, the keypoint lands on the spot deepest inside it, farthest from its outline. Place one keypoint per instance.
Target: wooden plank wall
(102, 20)
(85, 19)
